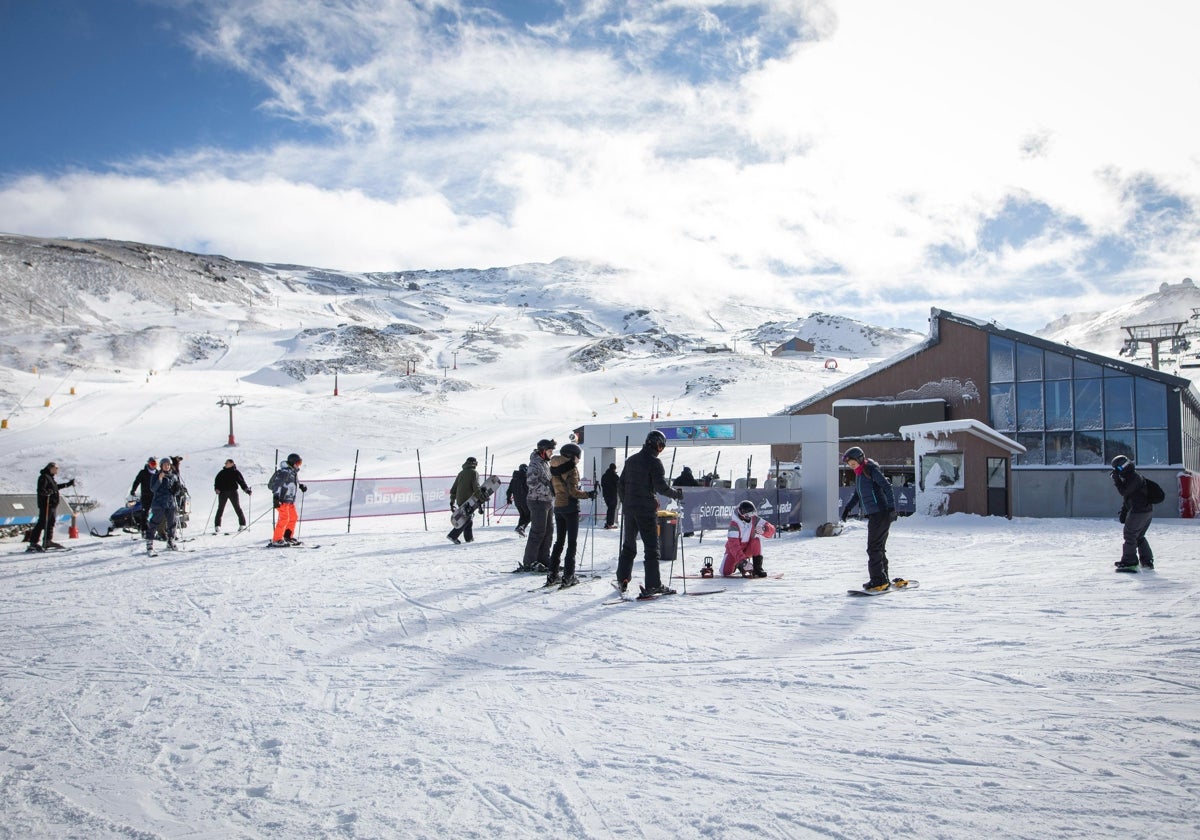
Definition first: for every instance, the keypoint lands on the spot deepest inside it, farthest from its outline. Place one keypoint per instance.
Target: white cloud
(893, 130)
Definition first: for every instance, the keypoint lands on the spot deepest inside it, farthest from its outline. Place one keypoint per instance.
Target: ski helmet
(294, 460)
(1121, 463)
(167, 459)
(854, 453)
(546, 443)
(657, 440)
(471, 462)
(746, 509)
(570, 450)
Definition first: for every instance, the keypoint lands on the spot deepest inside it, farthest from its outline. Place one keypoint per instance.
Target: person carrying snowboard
(874, 493)
(465, 486)
(742, 544)
(642, 477)
(564, 478)
(225, 485)
(164, 507)
(284, 485)
(41, 537)
(541, 509)
(517, 494)
(1135, 515)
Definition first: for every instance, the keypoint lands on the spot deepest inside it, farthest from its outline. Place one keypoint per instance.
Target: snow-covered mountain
(1104, 332)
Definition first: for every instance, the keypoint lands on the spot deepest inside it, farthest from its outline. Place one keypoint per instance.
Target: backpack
(1154, 493)
(276, 481)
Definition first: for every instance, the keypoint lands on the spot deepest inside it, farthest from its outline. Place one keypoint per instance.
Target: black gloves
(1121, 516)
(592, 495)
(248, 492)
(892, 515)
(70, 483)
(275, 499)
(303, 488)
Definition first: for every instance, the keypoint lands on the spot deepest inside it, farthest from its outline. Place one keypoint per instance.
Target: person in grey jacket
(540, 498)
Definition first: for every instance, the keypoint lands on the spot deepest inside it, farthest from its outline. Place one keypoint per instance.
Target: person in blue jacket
(874, 493)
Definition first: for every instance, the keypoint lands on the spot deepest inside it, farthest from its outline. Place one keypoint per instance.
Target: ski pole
(210, 511)
(255, 521)
(300, 518)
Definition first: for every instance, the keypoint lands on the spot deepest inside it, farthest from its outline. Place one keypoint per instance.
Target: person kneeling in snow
(742, 545)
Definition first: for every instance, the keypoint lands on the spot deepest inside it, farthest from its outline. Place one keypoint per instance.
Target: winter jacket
(686, 479)
(872, 490)
(228, 480)
(608, 484)
(564, 478)
(742, 540)
(641, 478)
(285, 483)
(166, 489)
(466, 485)
(537, 479)
(144, 477)
(1132, 488)
(47, 489)
(517, 488)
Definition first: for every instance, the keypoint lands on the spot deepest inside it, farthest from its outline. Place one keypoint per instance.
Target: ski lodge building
(983, 419)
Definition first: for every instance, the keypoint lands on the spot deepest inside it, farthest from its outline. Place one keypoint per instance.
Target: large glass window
(1000, 359)
(1089, 448)
(1034, 449)
(1118, 402)
(1087, 370)
(1152, 447)
(1060, 448)
(1029, 363)
(1058, 366)
(1089, 410)
(1118, 443)
(1004, 408)
(1031, 413)
(1151, 400)
(1058, 405)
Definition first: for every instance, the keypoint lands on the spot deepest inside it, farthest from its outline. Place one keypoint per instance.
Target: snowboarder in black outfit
(517, 494)
(1136, 513)
(466, 485)
(608, 486)
(142, 483)
(42, 535)
(226, 485)
(564, 478)
(642, 477)
(873, 491)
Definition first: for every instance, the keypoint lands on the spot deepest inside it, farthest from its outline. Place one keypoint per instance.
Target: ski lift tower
(230, 402)
(1154, 335)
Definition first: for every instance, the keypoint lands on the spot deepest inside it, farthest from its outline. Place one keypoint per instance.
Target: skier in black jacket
(642, 477)
(226, 485)
(518, 493)
(142, 482)
(608, 486)
(42, 535)
(1136, 514)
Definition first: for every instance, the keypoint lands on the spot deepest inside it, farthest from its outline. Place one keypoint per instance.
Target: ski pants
(163, 523)
(523, 514)
(43, 531)
(640, 524)
(285, 524)
(610, 511)
(566, 524)
(230, 496)
(467, 531)
(541, 534)
(749, 551)
(878, 526)
(1135, 547)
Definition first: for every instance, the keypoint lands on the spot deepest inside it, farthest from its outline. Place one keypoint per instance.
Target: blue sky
(1010, 160)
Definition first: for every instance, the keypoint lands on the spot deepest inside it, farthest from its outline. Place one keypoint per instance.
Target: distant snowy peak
(836, 335)
(1104, 332)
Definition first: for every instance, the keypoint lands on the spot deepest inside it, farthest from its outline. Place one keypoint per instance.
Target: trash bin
(668, 536)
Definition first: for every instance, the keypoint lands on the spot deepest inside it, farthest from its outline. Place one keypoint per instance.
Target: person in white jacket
(743, 548)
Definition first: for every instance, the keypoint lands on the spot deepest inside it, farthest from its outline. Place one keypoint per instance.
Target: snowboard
(910, 584)
(478, 500)
(1133, 569)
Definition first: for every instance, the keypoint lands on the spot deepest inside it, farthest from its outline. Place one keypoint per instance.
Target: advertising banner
(711, 508)
(330, 498)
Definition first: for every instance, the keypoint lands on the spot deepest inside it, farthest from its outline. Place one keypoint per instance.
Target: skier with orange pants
(284, 484)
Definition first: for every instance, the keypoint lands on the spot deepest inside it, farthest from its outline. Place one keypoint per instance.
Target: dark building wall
(954, 368)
